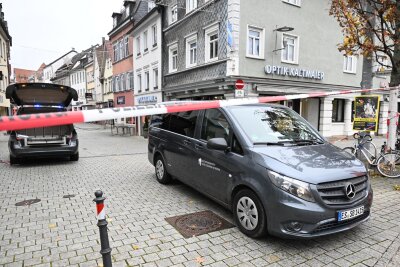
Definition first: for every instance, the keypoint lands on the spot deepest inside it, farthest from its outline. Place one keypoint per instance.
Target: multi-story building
(51, 68)
(208, 45)
(22, 75)
(121, 40)
(37, 76)
(103, 75)
(147, 34)
(5, 68)
(90, 82)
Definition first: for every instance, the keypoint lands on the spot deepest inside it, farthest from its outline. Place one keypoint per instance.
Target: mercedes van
(267, 164)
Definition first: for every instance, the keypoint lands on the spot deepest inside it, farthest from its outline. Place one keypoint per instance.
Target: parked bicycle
(387, 163)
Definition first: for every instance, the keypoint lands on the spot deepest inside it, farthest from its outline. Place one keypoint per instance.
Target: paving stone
(137, 205)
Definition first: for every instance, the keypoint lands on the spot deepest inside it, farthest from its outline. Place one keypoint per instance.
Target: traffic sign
(239, 84)
(239, 93)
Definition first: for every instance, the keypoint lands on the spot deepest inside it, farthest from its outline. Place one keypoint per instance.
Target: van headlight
(295, 187)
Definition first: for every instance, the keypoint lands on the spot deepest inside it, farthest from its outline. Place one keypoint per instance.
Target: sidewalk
(345, 141)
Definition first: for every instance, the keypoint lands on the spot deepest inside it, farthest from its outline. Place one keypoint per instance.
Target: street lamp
(281, 29)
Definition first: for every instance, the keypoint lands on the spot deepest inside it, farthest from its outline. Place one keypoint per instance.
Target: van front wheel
(249, 214)
(161, 172)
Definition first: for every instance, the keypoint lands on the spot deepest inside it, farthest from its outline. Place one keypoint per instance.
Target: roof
(140, 22)
(72, 51)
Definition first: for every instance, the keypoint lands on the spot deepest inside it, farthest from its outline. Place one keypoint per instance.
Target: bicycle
(387, 163)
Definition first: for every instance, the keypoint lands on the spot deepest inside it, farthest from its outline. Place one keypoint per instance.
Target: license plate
(350, 214)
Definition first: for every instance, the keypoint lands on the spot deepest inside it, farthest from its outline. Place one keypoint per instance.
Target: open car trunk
(53, 135)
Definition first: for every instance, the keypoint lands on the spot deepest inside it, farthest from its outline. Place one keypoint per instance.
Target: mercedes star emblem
(350, 191)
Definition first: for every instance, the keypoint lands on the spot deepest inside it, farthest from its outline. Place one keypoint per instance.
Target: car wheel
(75, 157)
(249, 214)
(13, 160)
(162, 175)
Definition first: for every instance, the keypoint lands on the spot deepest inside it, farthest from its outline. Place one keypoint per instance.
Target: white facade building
(51, 68)
(147, 35)
(78, 82)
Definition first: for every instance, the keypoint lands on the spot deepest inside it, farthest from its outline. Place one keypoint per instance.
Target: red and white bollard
(102, 224)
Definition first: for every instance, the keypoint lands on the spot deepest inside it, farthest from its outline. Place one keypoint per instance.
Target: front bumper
(316, 218)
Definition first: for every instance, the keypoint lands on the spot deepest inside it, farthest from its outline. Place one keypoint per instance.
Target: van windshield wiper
(307, 141)
(269, 143)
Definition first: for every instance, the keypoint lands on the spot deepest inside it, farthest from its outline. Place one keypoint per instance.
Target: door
(214, 169)
(181, 152)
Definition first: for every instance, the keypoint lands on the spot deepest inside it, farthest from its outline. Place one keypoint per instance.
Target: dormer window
(115, 21)
(127, 11)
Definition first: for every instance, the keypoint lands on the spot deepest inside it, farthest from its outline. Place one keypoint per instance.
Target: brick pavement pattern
(62, 231)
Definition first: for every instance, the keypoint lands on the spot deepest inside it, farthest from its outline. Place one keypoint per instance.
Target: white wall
(78, 82)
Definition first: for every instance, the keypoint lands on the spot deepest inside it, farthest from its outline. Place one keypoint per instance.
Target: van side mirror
(217, 144)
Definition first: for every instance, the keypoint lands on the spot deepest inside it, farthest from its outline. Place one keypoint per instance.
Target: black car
(41, 142)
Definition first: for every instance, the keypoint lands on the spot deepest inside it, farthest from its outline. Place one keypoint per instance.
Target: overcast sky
(43, 30)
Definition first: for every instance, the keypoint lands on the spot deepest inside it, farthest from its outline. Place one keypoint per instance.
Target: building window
(350, 64)
(291, 48)
(131, 82)
(173, 58)
(116, 84)
(154, 35)
(139, 82)
(191, 51)
(126, 46)
(174, 13)
(381, 64)
(145, 48)
(255, 42)
(146, 80)
(121, 49)
(293, 2)
(190, 5)
(123, 82)
(155, 78)
(138, 46)
(115, 21)
(115, 52)
(338, 110)
(211, 45)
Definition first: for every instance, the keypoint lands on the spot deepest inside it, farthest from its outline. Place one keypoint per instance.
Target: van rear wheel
(74, 157)
(249, 214)
(162, 175)
(13, 160)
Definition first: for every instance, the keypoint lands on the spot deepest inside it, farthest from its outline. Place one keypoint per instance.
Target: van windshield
(274, 125)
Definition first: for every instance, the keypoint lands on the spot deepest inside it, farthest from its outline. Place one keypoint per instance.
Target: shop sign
(294, 72)
(147, 99)
(366, 112)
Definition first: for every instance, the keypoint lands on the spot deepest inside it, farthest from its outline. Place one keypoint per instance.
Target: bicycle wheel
(388, 166)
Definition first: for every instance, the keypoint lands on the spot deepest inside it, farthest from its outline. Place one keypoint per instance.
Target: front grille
(335, 224)
(334, 193)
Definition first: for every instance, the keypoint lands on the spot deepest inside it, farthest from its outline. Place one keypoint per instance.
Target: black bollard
(102, 224)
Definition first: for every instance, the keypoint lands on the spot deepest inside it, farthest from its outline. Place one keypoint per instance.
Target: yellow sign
(366, 113)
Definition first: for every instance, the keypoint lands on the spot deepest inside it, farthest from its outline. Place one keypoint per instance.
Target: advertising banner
(366, 113)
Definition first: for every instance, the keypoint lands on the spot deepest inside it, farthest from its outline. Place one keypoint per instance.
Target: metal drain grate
(198, 223)
(68, 196)
(27, 202)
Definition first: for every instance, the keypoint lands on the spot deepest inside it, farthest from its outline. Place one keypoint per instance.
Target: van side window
(160, 121)
(183, 123)
(215, 125)
(236, 147)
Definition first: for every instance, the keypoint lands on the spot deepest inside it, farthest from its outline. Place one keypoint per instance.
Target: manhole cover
(27, 202)
(198, 223)
(68, 196)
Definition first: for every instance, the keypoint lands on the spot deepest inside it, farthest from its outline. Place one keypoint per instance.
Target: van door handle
(197, 146)
(186, 142)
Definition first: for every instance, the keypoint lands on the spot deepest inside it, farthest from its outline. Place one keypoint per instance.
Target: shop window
(338, 110)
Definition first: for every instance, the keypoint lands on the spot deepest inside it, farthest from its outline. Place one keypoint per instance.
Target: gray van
(267, 164)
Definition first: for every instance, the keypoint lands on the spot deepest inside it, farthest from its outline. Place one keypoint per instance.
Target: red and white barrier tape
(62, 118)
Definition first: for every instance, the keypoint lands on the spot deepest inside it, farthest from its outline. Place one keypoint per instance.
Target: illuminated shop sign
(294, 72)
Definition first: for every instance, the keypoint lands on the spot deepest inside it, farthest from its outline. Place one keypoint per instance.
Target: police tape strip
(62, 118)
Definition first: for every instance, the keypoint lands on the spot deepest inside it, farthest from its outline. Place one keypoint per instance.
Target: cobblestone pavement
(62, 231)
